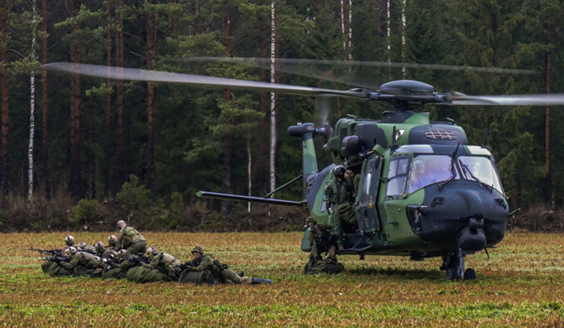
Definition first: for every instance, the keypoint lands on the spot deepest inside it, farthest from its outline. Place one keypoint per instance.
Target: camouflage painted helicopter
(423, 191)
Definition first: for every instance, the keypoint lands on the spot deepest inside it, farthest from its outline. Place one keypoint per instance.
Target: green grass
(521, 284)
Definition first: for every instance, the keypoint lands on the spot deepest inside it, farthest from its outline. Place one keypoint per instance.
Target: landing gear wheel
(452, 274)
(469, 274)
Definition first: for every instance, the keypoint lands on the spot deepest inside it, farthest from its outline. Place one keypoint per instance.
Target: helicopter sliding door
(366, 210)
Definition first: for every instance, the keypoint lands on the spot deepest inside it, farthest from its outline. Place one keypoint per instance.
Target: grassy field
(522, 284)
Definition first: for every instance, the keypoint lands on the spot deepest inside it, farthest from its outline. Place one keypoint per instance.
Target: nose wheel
(454, 267)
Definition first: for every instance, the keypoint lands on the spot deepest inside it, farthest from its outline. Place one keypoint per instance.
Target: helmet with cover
(69, 240)
(151, 253)
(198, 249)
(112, 240)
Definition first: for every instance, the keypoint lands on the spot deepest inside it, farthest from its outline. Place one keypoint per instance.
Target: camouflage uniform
(82, 264)
(80, 246)
(53, 269)
(90, 249)
(132, 240)
(322, 238)
(207, 263)
(337, 194)
(163, 261)
(345, 211)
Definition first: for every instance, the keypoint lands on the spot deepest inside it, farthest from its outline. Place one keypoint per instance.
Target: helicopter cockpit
(414, 167)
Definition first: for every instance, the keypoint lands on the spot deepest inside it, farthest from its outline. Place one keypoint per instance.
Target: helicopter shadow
(401, 273)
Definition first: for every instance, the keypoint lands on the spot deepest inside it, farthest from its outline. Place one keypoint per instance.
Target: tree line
(178, 139)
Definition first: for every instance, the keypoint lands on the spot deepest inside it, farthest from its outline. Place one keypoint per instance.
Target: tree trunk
(346, 14)
(107, 139)
(262, 104)
(403, 32)
(121, 175)
(5, 107)
(45, 108)
(249, 167)
(389, 35)
(91, 156)
(227, 159)
(31, 113)
(75, 113)
(151, 39)
(273, 98)
(547, 195)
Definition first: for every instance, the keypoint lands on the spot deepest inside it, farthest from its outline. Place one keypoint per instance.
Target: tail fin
(306, 132)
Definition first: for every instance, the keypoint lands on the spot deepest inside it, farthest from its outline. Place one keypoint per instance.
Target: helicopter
(423, 192)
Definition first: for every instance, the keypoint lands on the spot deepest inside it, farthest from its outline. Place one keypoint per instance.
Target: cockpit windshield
(430, 169)
(480, 169)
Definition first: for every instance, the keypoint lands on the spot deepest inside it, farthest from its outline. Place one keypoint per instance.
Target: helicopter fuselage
(422, 191)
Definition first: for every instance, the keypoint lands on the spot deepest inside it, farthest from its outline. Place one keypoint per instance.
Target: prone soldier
(206, 262)
(82, 263)
(162, 261)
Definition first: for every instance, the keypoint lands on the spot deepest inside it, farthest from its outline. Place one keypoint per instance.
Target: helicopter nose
(465, 214)
(472, 238)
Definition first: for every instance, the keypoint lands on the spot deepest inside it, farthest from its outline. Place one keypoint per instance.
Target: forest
(78, 152)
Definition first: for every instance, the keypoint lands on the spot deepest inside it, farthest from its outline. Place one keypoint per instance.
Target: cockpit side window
(397, 176)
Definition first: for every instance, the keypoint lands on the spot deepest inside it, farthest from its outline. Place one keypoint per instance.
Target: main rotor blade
(266, 62)
(508, 100)
(119, 73)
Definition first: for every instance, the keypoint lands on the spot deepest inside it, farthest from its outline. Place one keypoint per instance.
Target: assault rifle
(185, 266)
(53, 252)
(139, 258)
(57, 259)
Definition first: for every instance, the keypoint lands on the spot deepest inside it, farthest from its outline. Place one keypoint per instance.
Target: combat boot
(240, 274)
(261, 281)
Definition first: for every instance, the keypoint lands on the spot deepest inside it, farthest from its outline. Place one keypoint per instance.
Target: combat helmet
(198, 249)
(99, 246)
(310, 220)
(69, 240)
(112, 240)
(71, 250)
(339, 172)
(151, 252)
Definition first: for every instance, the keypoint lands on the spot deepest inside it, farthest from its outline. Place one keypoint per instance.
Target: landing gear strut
(454, 266)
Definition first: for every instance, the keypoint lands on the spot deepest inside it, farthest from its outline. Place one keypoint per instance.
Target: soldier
(163, 261)
(206, 262)
(100, 248)
(69, 240)
(82, 264)
(337, 192)
(88, 248)
(112, 241)
(322, 238)
(130, 239)
(345, 211)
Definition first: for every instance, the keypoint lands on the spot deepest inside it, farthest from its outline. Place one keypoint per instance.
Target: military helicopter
(423, 191)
